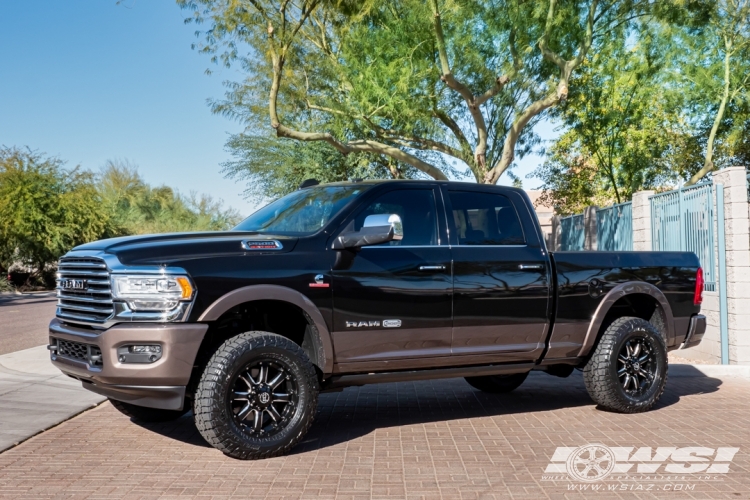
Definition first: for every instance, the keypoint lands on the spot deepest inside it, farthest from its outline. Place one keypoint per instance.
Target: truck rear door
(501, 275)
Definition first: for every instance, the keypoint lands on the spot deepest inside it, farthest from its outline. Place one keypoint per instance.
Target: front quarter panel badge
(319, 282)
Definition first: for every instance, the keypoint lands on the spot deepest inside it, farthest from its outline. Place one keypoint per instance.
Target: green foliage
(134, 207)
(272, 167)
(624, 130)
(5, 285)
(44, 209)
(709, 49)
(445, 87)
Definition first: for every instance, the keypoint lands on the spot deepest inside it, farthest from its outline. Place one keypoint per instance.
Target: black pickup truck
(355, 283)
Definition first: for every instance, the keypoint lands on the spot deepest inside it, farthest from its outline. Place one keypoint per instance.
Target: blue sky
(90, 80)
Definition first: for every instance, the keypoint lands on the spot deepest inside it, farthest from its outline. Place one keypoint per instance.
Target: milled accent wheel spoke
(636, 382)
(622, 359)
(248, 379)
(637, 349)
(262, 374)
(644, 373)
(258, 421)
(626, 383)
(275, 416)
(643, 358)
(280, 398)
(622, 371)
(241, 396)
(277, 380)
(244, 412)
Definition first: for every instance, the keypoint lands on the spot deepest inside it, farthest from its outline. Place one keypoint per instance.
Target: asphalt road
(24, 320)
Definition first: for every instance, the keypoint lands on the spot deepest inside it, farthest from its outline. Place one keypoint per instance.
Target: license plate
(73, 284)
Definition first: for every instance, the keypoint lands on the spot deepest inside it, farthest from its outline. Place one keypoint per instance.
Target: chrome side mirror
(383, 220)
(376, 229)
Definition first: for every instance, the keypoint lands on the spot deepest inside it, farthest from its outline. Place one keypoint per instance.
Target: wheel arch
(320, 349)
(627, 293)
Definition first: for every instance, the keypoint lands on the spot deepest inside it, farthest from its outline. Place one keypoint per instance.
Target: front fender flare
(320, 332)
(618, 292)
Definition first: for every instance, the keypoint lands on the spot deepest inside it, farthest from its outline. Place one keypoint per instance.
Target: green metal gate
(683, 220)
(572, 234)
(614, 228)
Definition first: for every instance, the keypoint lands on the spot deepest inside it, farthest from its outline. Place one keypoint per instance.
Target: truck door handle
(432, 268)
(526, 267)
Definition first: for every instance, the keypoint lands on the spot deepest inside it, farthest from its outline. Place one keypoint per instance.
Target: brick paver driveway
(437, 439)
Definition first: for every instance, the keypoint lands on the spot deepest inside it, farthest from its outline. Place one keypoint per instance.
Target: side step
(359, 379)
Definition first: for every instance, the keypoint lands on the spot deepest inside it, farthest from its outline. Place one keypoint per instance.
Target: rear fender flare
(321, 337)
(618, 292)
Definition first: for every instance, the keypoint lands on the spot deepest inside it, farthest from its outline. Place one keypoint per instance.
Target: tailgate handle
(526, 267)
(432, 268)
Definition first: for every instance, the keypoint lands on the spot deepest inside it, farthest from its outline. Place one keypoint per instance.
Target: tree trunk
(708, 165)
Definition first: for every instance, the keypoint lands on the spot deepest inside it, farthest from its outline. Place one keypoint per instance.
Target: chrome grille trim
(92, 305)
(82, 298)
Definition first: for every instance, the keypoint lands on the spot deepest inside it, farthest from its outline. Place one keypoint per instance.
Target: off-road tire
(600, 374)
(214, 416)
(497, 384)
(143, 414)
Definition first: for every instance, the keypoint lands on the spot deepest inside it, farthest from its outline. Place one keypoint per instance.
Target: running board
(341, 381)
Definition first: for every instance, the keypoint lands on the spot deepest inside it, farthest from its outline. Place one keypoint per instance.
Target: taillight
(698, 297)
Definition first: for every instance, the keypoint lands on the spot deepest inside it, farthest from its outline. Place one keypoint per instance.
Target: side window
(416, 207)
(485, 219)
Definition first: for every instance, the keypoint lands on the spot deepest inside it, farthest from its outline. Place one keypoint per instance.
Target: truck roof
(372, 182)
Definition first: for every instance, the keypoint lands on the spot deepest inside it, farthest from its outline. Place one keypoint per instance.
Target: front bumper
(92, 358)
(695, 331)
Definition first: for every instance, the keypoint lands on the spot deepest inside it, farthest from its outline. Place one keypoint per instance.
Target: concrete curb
(715, 371)
(27, 378)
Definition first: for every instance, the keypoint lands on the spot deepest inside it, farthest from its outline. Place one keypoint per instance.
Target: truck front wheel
(628, 369)
(257, 396)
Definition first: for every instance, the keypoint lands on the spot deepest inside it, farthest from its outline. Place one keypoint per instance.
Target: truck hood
(160, 249)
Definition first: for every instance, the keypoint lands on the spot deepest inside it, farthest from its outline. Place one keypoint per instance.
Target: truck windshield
(302, 212)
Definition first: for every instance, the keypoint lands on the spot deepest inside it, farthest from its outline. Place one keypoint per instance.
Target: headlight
(152, 293)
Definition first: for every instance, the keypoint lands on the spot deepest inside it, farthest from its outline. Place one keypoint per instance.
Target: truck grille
(76, 351)
(90, 299)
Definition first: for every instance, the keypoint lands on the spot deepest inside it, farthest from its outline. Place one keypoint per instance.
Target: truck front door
(501, 276)
(393, 300)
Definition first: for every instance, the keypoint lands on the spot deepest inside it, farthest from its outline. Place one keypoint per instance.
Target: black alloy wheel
(637, 366)
(627, 371)
(257, 397)
(264, 396)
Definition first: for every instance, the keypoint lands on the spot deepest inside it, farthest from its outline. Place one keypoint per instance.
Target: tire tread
(601, 387)
(207, 405)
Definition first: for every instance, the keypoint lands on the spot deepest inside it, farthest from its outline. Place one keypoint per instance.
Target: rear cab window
(481, 218)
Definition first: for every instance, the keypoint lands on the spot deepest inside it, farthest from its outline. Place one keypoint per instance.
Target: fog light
(139, 353)
(145, 348)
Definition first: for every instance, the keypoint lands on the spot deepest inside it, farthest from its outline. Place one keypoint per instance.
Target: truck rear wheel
(628, 369)
(497, 384)
(257, 397)
(143, 414)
